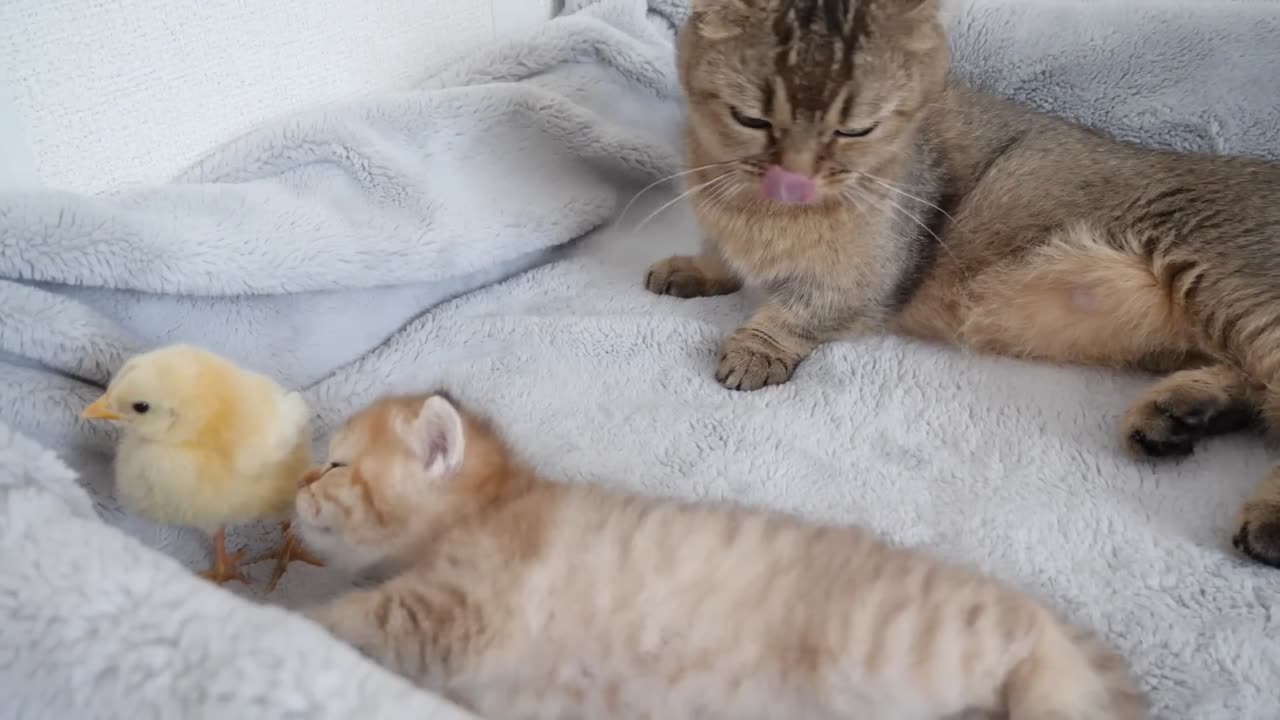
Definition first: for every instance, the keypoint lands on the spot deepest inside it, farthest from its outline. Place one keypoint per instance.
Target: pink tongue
(788, 187)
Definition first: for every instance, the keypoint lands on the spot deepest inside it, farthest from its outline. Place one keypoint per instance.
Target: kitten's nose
(788, 187)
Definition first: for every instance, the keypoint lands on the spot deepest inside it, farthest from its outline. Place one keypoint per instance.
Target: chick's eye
(141, 408)
(754, 123)
(857, 132)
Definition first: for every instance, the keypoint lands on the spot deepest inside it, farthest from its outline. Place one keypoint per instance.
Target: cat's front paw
(751, 359)
(681, 276)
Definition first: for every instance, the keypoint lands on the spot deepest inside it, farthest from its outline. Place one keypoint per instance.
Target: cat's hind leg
(1187, 406)
(1083, 297)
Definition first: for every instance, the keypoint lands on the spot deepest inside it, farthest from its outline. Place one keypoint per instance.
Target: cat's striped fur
(519, 597)
(950, 215)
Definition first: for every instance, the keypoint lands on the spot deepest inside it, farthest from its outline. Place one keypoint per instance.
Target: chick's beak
(98, 410)
(312, 475)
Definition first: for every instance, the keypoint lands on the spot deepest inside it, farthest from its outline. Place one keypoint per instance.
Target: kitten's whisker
(656, 183)
(682, 196)
(890, 186)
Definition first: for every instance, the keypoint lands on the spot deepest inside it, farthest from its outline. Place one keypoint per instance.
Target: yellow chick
(207, 444)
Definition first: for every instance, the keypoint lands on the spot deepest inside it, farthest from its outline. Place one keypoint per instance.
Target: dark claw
(1241, 539)
(1180, 445)
(1270, 538)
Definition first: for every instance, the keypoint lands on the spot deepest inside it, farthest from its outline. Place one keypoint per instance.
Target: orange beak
(312, 475)
(97, 410)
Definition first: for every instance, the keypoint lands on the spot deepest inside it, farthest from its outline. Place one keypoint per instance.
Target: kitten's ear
(437, 436)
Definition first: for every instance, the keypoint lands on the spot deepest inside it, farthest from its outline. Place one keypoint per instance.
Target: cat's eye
(754, 123)
(333, 465)
(141, 408)
(857, 132)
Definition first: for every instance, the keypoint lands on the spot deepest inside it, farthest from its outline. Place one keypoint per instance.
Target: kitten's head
(397, 472)
(799, 98)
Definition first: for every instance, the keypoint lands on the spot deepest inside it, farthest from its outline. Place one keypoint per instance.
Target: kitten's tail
(1071, 675)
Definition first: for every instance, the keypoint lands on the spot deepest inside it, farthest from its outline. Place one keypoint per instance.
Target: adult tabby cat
(838, 167)
(520, 597)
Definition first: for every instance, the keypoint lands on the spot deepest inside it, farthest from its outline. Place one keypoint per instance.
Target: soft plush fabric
(121, 92)
(319, 249)
(17, 166)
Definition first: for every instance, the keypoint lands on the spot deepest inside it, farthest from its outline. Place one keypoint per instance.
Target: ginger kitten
(520, 597)
(841, 170)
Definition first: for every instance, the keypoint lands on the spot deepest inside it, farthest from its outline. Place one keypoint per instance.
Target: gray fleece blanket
(465, 234)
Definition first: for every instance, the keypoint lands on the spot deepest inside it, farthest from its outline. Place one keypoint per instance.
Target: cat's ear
(920, 20)
(437, 436)
(918, 9)
(720, 19)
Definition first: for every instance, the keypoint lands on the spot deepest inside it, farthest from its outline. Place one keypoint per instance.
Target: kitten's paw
(1170, 420)
(681, 276)
(1257, 535)
(751, 359)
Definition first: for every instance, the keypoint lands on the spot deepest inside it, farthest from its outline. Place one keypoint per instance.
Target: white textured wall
(115, 92)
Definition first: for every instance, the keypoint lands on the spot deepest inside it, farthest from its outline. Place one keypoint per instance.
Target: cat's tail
(1070, 675)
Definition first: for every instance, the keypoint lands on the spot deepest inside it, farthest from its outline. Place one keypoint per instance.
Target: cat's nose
(786, 186)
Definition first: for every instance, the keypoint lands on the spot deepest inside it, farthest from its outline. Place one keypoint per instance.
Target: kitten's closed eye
(748, 121)
(857, 132)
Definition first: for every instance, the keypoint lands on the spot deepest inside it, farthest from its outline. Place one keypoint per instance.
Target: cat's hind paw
(1257, 535)
(1181, 410)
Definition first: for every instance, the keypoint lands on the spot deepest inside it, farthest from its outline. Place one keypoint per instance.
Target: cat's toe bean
(682, 276)
(1161, 446)
(746, 366)
(1157, 429)
(683, 285)
(677, 276)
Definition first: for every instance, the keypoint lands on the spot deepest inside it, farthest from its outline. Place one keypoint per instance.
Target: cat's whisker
(856, 174)
(891, 186)
(721, 193)
(923, 226)
(668, 178)
(853, 200)
(712, 182)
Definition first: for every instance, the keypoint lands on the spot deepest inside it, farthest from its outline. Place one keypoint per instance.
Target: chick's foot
(226, 566)
(290, 549)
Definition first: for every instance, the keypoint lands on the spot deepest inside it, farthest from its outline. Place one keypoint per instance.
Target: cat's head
(396, 473)
(797, 99)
